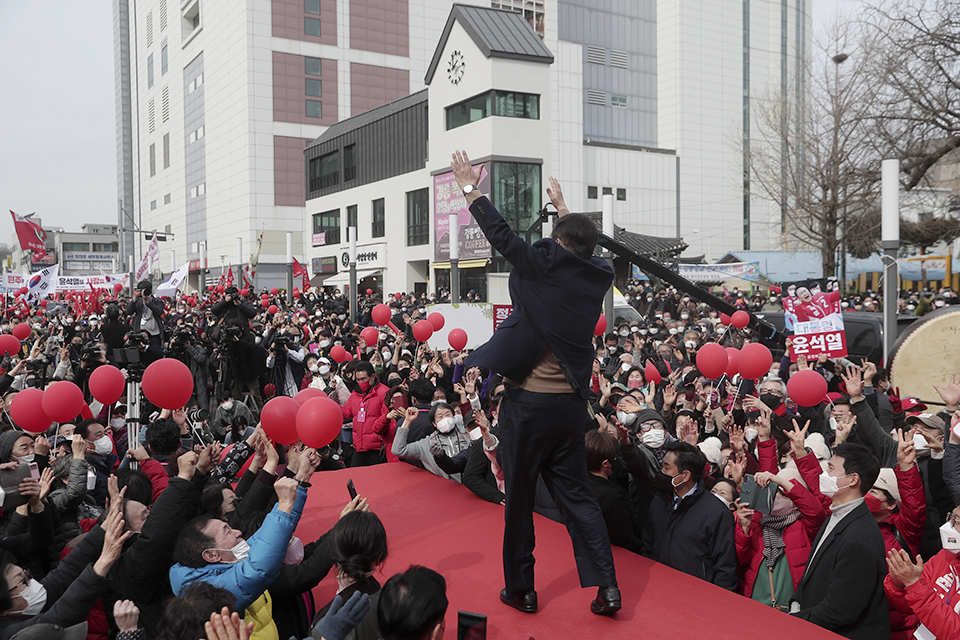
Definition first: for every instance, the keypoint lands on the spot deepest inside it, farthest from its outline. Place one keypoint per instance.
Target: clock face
(455, 67)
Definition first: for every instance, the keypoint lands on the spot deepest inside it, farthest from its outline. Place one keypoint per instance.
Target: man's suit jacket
(557, 299)
(135, 309)
(842, 586)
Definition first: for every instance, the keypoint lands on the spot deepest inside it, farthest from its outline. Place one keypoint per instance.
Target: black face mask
(771, 400)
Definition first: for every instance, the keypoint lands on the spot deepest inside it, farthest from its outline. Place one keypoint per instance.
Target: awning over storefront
(343, 278)
(463, 264)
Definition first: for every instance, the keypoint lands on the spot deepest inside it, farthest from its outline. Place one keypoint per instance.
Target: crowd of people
(189, 532)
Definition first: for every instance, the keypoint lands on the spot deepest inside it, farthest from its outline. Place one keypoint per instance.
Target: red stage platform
(440, 524)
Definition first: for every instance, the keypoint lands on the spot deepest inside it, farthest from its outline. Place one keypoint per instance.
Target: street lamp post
(839, 59)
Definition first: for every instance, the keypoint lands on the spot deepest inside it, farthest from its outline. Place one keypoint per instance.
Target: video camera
(230, 333)
(136, 340)
(181, 340)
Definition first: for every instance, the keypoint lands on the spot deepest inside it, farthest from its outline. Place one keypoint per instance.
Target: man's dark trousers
(543, 434)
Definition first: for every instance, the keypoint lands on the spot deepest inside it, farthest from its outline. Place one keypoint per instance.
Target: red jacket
(934, 598)
(797, 538)
(910, 521)
(369, 434)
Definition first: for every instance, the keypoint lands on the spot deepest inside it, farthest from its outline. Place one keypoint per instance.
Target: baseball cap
(929, 419)
(45, 631)
(912, 404)
(887, 480)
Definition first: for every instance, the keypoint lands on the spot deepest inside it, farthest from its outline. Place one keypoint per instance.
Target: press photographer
(285, 360)
(239, 360)
(234, 307)
(147, 313)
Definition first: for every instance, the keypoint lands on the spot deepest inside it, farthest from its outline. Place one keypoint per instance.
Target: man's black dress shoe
(528, 601)
(608, 601)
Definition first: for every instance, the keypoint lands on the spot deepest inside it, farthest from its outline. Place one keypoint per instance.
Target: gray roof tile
(363, 119)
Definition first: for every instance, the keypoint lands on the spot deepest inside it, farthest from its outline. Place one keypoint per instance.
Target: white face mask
(833, 423)
(684, 316)
(91, 480)
(624, 333)
(314, 368)
(324, 344)
(690, 344)
(950, 538)
(458, 420)
(227, 405)
(612, 349)
(750, 434)
(634, 329)
(654, 438)
(643, 332)
(781, 506)
(240, 551)
(102, 446)
(324, 369)
(118, 423)
(722, 499)
(36, 596)
(342, 317)
(386, 355)
(626, 418)
(294, 553)
(673, 331)
(27, 459)
(445, 425)
(625, 367)
(828, 484)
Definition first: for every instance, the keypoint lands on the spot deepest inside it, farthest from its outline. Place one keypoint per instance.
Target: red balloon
(339, 354)
(319, 421)
(807, 388)
(9, 345)
(381, 314)
(43, 303)
(724, 319)
(457, 339)
(369, 293)
(347, 356)
(23, 290)
(437, 320)
(244, 292)
(167, 383)
(740, 319)
(264, 296)
(117, 287)
(755, 361)
(62, 401)
(211, 288)
(279, 419)
(652, 374)
(733, 361)
(422, 330)
(398, 296)
(712, 360)
(264, 303)
(371, 336)
(308, 394)
(272, 309)
(270, 390)
(107, 384)
(274, 291)
(601, 325)
(21, 331)
(26, 410)
(221, 288)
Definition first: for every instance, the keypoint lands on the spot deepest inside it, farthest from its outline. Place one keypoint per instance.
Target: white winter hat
(711, 449)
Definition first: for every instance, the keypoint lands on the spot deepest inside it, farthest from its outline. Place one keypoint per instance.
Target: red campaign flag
(230, 276)
(31, 236)
(298, 270)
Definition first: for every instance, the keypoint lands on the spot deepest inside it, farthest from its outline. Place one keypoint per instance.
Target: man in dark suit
(842, 586)
(147, 313)
(544, 353)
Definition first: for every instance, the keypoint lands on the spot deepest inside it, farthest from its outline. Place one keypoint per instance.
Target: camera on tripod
(197, 414)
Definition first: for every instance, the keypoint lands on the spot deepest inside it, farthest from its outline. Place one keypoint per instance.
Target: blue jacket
(557, 299)
(247, 580)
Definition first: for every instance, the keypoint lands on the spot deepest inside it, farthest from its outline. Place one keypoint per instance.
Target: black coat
(135, 309)
(622, 524)
(842, 586)
(546, 313)
(697, 538)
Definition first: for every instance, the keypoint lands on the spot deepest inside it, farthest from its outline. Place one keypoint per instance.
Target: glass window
(149, 71)
(618, 101)
(621, 194)
(328, 222)
(153, 160)
(314, 88)
(311, 6)
(592, 193)
(105, 246)
(166, 199)
(350, 162)
(314, 109)
(351, 216)
(500, 103)
(312, 66)
(418, 217)
(163, 60)
(517, 105)
(468, 111)
(311, 27)
(85, 246)
(608, 191)
(379, 219)
(325, 171)
(516, 190)
(153, 205)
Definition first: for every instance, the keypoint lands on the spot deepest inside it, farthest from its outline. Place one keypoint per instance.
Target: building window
(77, 246)
(105, 246)
(149, 71)
(325, 171)
(312, 7)
(350, 162)
(190, 20)
(165, 104)
(618, 101)
(166, 151)
(608, 191)
(153, 160)
(314, 88)
(199, 190)
(153, 205)
(163, 60)
(591, 193)
(494, 103)
(195, 84)
(622, 195)
(418, 217)
(352, 216)
(314, 109)
(166, 199)
(312, 66)
(196, 135)
(311, 27)
(328, 222)
(516, 190)
(379, 219)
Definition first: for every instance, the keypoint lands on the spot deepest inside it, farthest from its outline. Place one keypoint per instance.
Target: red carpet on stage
(439, 524)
